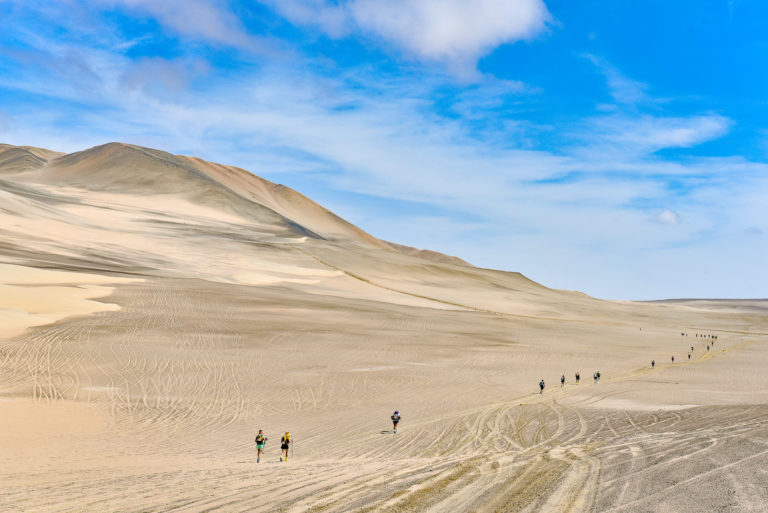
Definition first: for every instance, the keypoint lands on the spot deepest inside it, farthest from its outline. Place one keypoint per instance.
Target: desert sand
(157, 310)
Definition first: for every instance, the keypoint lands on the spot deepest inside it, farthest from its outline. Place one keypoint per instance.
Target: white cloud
(645, 134)
(161, 75)
(623, 89)
(204, 19)
(667, 217)
(211, 21)
(332, 18)
(454, 32)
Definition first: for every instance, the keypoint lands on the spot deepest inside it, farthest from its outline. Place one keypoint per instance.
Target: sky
(615, 148)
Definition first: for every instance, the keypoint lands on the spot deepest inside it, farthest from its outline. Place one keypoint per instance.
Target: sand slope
(165, 308)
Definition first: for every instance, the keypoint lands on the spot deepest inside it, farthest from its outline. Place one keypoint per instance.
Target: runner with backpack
(395, 419)
(261, 440)
(285, 445)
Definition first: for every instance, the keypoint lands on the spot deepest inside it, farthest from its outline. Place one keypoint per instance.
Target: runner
(285, 445)
(541, 386)
(673, 359)
(594, 377)
(653, 364)
(260, 441)
(578, 377)
(689, 356)
(562, 381)
(395, 419)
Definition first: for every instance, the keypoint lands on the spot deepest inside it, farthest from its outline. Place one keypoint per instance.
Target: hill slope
(126, 208)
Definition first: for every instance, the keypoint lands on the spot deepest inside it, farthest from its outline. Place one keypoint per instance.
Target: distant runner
(689, 356)
(541, 386)
(395, 419)
(598, 375)
(285, 445)
(578, 377)
(673, 359)
(594, 377)
(562, 381)
(260, 441)
(653, 364)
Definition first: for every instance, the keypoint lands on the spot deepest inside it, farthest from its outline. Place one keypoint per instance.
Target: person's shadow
(387, 432)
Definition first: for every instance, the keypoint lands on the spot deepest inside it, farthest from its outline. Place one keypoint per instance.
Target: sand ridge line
(450, 303)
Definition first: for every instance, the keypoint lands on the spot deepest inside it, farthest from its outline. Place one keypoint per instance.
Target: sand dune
(158, 309)
(16, 159)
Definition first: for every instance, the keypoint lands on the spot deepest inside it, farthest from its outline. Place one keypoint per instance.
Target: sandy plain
(158, 310)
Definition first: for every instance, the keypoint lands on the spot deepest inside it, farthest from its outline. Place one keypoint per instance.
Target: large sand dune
(158, 310)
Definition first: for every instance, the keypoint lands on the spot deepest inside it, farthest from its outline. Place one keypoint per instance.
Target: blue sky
(617, 148)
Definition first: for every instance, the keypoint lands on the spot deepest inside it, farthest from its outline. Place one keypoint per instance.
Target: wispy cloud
(644, 134)
(162, 76)
(623, 89)
(205, 19)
